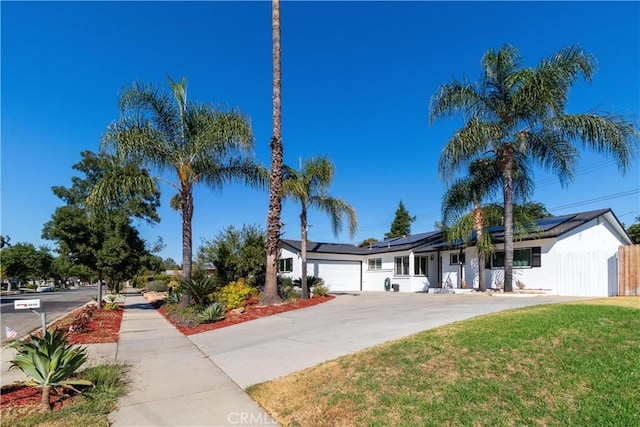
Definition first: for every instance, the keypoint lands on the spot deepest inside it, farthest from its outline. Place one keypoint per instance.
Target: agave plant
(173, 296)
(213, 312)
(50, 361)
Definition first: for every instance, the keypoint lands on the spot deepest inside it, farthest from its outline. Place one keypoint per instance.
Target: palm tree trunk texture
(186, 205)
(187, 234)
(478, 223)
(270, 294)
(303, 252)
(505, 163)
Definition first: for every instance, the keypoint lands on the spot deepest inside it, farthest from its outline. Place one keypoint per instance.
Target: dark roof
(433, 241)
(328, 248)
(553, 226)
(394, 244)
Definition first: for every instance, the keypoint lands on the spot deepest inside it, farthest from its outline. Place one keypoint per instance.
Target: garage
(337, 275)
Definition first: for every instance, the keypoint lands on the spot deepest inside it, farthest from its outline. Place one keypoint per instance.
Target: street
(53, 304)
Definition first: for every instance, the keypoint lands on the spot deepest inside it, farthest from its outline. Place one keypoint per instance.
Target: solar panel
(397, 241)
(547, 224)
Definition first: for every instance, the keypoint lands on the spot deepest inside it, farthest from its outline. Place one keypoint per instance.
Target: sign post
(30, 304)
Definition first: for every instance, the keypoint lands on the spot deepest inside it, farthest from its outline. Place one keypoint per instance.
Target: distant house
(568, 255)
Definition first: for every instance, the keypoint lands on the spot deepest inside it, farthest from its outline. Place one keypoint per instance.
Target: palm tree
(483, 181)
(196, 142)
(516, 111)
(309, 186)
(270, 294)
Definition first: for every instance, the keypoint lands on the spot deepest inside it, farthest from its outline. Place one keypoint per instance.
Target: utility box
(396, 287)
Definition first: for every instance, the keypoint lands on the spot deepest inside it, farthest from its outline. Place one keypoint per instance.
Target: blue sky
(356, 83)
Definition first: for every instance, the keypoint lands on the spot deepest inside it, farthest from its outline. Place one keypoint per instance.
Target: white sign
(26, 303)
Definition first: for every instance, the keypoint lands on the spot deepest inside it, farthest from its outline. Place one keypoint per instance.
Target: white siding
(297, 265)
(585, 274)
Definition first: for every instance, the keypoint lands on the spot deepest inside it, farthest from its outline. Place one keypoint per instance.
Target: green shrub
(80, 324)
(157, 285)
(174, 284)
(140, 282)
(187, 317)
(199, 289)
(213, 312)
(286, 290)
(320, 291)
(235, 294)
(312, 282)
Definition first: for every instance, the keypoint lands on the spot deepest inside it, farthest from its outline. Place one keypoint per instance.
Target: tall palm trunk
(303, 252)
(187, 234)
(505, 164)
(186, 204)
(478, 224)
(270, 294)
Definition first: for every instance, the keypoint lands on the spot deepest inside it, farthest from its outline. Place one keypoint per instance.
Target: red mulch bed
(104, 327)
(16, 396)
(253, 311)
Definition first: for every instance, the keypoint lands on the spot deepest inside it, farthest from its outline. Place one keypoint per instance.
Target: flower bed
(252, 312)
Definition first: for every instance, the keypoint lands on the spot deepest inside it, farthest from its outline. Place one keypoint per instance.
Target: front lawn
(561, 364)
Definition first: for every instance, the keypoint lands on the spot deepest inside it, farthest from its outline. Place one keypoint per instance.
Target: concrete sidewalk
(173, 382)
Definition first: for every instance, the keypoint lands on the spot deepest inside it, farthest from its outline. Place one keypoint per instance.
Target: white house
(567, 255)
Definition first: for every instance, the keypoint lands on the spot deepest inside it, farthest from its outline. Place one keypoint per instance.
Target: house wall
(373, 280)
(586, 259)
(582, 262)
(533, 278)
(297, 264)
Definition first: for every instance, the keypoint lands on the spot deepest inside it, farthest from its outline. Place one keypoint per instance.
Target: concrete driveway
(267, 348)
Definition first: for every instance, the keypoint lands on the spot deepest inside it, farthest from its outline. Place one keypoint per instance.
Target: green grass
(89, 409)
(573, 364)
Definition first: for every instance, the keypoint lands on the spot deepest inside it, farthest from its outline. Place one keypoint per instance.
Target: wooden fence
(629, 270)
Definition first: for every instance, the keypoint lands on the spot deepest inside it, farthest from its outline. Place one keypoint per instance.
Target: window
(402, 266)
(420, 266)
(285, 265)
(524, 257)
(455, 259)
(375, 264)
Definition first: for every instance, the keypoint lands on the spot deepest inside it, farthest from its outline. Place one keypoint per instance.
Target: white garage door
(337, 275)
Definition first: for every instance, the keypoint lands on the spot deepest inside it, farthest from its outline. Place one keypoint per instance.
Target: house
(572, 254)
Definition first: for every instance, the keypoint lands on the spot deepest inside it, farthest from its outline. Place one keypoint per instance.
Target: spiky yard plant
(198, 289)
(312, 282)
(213, 312)
(50, 361)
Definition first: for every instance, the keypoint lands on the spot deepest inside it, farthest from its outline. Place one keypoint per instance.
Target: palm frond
(453, 98)
(337, 210)
(608, 134)
(553, 152)
(469, 143)
(217, 172)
